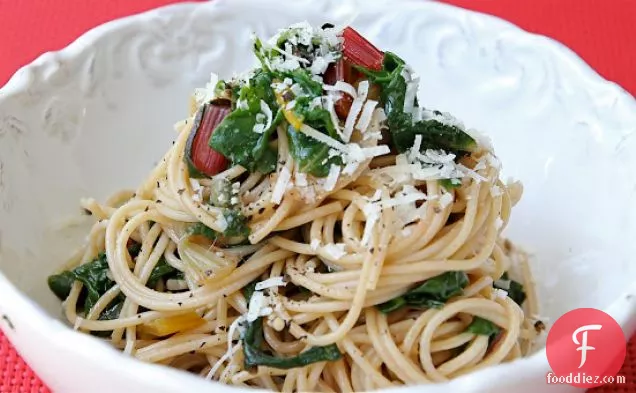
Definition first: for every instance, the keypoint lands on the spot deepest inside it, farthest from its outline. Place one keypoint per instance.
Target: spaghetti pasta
(319, 260)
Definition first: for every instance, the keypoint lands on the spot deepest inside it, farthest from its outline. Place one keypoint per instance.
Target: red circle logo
(585, 348)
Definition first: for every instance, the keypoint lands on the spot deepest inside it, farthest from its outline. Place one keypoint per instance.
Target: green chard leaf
(236, 223)
(483, 327)
(311, 155)
(94, 277)
(111, 312)
(161, 270)
(449, 184)
(249, 289)
(515, 289)
(255, 356)
(516, 292)
(113, 309)
(304, 78)
(392, 305)
(435, 135)
(235, 137)
(60, 284)
(221, 192)
(432, 293)
(200, 229)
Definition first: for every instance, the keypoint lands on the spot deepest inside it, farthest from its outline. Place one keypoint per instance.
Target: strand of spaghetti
(359, 334)
(357, 357)
(103, 302)
(290, 381)
(386, 348)
(504, 346)
(293, 246)
(298, 220)
(143, 269)
(339, 371)
(116, 240)
(148, 355)
(331, 306)
(472, 354)
(379, 250)
(480, 307)
(279, 346)
(314, 375)
(119, 323)
(261, 229)
(451, 342)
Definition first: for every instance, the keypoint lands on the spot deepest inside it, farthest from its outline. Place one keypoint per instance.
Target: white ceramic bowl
(95, 117)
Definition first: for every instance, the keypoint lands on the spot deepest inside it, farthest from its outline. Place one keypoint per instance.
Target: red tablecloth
(600, 31)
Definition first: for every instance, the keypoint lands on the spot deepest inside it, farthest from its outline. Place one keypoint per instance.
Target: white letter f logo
(584, 347)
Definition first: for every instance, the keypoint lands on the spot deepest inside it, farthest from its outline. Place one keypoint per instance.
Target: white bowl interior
(95, 119)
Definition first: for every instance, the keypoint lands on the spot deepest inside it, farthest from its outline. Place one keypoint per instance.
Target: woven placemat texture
(15, 374)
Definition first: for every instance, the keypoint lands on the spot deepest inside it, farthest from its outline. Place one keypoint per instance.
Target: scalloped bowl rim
(623, 309)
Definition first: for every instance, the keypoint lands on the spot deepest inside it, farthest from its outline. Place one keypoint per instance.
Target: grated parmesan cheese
(315, 243)
(376, 151)
(197, 189)
(281, 185)
(173, 284)
(499, 293)
(350, 168)
(470, 173)
(343, 87)
(206, 94)
(407, 196)
(406, 232)
(287, 53)
(356, 107)
(319, 66)
(445, 200)
(495, 191)
(355, 153)
(301, 179)
(372, 213)
(296, 89)
(196, 186)
(503, 284)
(333, 115)
(335, 251)
(332, 178)
(320, 137)
(257, 302)
(366, 115)
(409, 96)
(231, 349)
(221, 222)
(270, 283)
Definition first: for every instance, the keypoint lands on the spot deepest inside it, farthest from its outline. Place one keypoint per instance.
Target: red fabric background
(601, 31)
